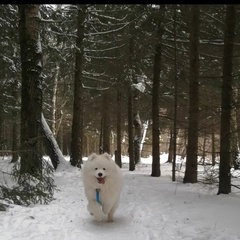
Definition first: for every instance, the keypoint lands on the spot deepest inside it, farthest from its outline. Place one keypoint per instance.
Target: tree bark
(15, 125)
(106, 125)
(137, 124)
(213, 148)
(175, 99)
(226, 103)
(234, 136)
(54, 99)
(130, 131)
(31, 95)
(137, 136)
(118, 153)
(170, 147)
(77, 122)
(192, 146)
(204, 148)
(156, 172)
(145, 128)
(101, 137)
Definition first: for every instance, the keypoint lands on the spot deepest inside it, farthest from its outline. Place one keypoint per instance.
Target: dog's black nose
(99, 174)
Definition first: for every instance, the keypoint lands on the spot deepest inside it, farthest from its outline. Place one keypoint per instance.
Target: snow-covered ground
(151, 208)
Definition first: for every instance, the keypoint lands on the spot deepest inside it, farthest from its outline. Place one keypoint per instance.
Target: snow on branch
(95, 88)
(140, 86)
(53, 148)
(108, 32)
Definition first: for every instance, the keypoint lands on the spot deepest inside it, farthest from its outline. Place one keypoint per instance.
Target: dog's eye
(104, 168)
(96, 168)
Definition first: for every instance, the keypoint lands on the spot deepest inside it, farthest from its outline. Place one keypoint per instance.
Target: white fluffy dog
(103, 181)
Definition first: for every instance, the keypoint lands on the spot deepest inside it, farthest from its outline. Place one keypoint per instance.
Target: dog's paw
(105, 210)
(110, 220)
(98, 218)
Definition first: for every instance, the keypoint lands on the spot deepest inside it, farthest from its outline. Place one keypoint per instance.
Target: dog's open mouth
(101, 180)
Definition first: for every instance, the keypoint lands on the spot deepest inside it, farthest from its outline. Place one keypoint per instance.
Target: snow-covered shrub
(30, 189)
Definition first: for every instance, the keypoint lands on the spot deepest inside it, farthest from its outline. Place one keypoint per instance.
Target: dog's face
(100, 174)
(100, 166)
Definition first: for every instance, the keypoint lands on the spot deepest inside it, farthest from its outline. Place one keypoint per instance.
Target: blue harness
(97, 196)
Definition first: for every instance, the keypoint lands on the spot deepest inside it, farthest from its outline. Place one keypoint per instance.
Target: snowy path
(150, 209)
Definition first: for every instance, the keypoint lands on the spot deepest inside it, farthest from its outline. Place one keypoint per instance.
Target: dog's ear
(92, 156)
(107, 156)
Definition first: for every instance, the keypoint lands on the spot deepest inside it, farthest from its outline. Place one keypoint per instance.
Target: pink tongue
(101, 180)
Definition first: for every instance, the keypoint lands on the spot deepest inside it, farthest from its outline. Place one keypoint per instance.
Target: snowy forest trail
(150, 209)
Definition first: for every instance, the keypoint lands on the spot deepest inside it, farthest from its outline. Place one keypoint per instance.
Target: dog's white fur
(102, 173)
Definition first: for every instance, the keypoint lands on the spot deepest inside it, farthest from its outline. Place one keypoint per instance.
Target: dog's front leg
(95, 209)
(112, 211)
(106, 207)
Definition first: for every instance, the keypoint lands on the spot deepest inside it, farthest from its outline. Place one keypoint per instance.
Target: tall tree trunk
(204, 148)
(183, 143)
(156, 172)
(66, 144)
(175, 99)
(31, 95)
(238, 115)
(130, 107)
(15, 124)
(145, 128)
(226, 104)
(60, 137)
(135, 101)
(234, 136)
(101, 137)
(2, 141)
(170, 147)
(54, 99)
(130, 131)
(137, 136)
(136, 122)
(86, 145)
(4, 77)
(213, 148)
(192, 146)
(77, 122)
(106, 130)
(118, 153)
